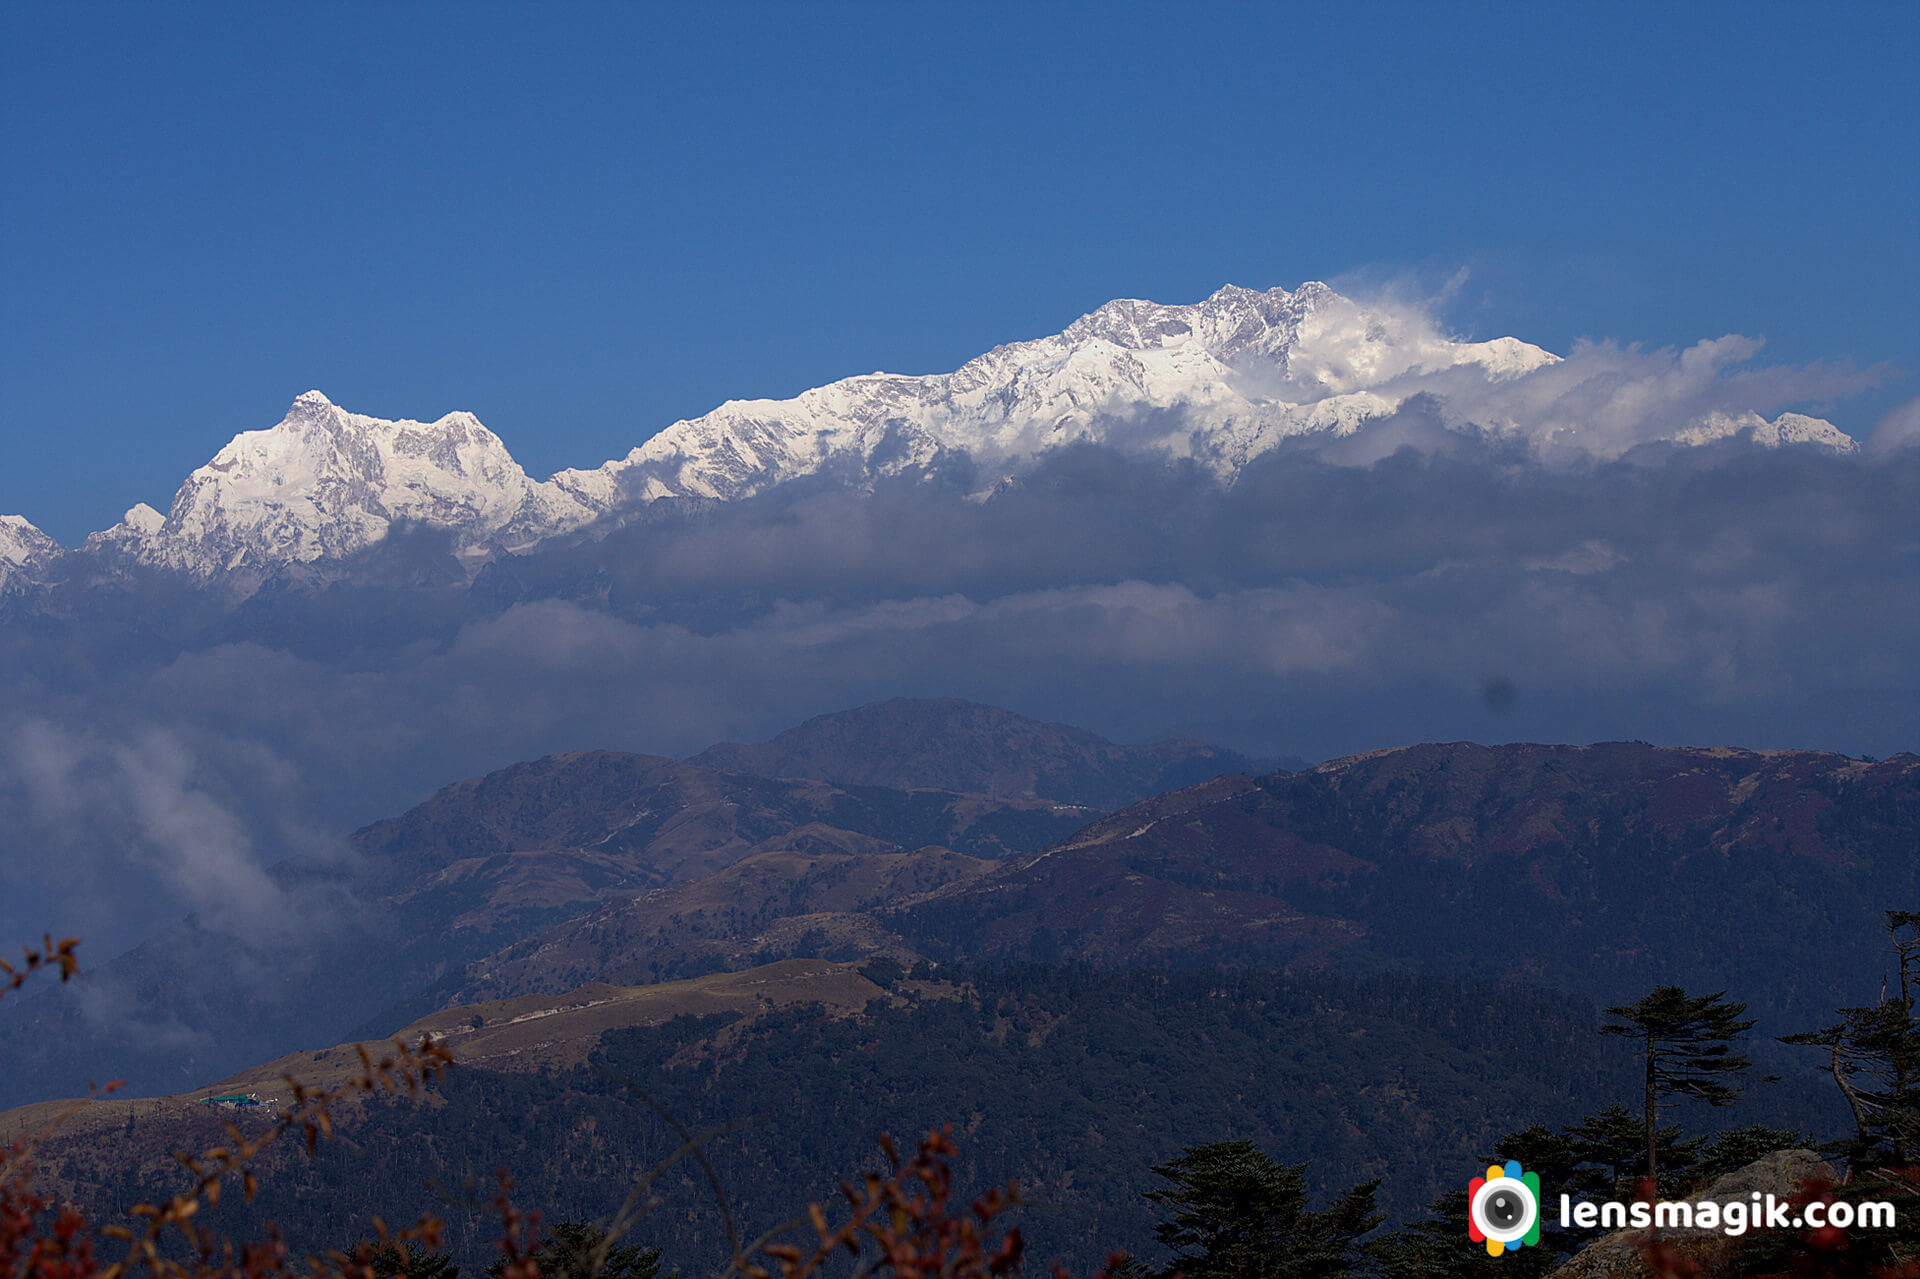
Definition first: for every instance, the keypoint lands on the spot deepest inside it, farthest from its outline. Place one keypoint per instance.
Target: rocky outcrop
(26, 553)
(1623, 1255)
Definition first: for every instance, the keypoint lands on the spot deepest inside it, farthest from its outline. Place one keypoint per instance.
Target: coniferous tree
(1737, 1147)
(581, 1250)
(1611, 1149)
(405, 1261)
(1437, 1247)
(1874, 1056)
(1687, 1047)
(1236, 1214)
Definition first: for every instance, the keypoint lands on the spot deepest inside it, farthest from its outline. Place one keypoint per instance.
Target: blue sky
(583, 222)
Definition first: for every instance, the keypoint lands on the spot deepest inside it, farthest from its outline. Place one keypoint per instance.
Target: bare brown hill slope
(1603, 869)
(796, 901)
(477, 866)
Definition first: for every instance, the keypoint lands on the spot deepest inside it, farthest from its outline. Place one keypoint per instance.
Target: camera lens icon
(1503, 1208)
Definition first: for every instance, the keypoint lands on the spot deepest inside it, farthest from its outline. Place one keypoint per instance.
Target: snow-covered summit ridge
(25, 552)
(325, 483)
(21, 543)
(1218, 382)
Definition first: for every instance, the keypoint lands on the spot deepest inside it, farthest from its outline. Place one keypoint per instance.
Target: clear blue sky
(583, 222)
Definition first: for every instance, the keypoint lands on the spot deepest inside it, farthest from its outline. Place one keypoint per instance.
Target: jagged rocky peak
(25, 552)
(1216, 383)
(1219, 381)
(404, 463)
(1232, 320)
(140, 523)
(22, 544)
(324, 483)
(1788, 428)
(1322, 342)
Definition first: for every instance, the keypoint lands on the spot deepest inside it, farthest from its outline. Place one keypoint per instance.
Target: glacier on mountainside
(1217, 383)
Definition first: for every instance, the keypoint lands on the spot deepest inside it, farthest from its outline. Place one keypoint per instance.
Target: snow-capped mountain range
(1219, 382)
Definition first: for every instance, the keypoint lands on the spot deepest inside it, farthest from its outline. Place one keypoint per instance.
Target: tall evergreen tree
(1236, 1214)
(1874, 1055)
(1611, 1149)
(1687, 1046)
(581, 1250)
(406, 1261)
(1437, 1247)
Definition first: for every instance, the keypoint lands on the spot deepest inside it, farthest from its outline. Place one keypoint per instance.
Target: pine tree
(1236, 1214)
(404, 1261)
(1874, 1054)
(1616, 1140)
(1687, 1043)
(581, 1250)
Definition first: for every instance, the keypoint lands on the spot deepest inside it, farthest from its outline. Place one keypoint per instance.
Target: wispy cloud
(1600, 402)
(1899, 429)
(1322, 604)
(124, 828)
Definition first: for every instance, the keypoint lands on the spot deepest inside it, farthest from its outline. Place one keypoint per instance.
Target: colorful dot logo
(1503, 1208)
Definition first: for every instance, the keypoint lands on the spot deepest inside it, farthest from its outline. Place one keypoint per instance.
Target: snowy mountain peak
(1228, 322)
(1216, 383)
(1787, 429)
(1219, 381)
(324, 483)
(21, 544)
(143, 519)
(25, 553)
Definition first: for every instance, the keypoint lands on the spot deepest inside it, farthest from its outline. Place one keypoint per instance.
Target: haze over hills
(474, 868)
(583, 539)
(558, 912)
(1605, 870)
(1284, 523)
(1601, 870)
(483, 864)
(951, 744)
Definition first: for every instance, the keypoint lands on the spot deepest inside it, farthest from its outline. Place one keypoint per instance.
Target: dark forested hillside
(1073, 1082)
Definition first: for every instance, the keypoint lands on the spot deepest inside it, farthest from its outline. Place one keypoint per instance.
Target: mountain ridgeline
(1377, 964)
(1603, 869)
(956, 745)
(1596, 870)
(1217, 383)
(486, 865)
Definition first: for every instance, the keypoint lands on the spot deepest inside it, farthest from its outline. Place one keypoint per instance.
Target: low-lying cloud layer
(1429, 577)
(1605, 400)
(122, 826)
